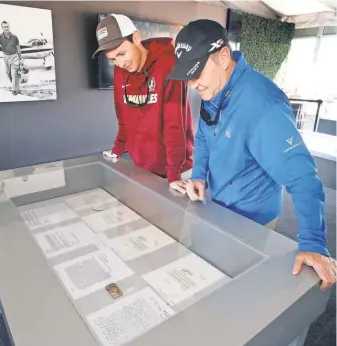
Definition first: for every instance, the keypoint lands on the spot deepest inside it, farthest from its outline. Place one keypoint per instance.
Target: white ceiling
(299, 7)
(305, 13)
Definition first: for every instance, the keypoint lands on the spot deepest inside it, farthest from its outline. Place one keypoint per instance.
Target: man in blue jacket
(247, 146)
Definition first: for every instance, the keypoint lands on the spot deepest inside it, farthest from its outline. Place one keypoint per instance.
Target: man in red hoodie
(154, 115)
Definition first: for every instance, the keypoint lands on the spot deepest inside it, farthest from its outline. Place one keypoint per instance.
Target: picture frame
(27, 59)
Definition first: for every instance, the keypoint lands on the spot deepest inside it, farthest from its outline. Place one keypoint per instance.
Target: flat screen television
(147, 30)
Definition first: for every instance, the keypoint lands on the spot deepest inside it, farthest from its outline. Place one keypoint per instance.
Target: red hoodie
(158, 135)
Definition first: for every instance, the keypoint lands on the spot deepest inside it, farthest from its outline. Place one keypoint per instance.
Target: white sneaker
(108, 153)
(111, 155)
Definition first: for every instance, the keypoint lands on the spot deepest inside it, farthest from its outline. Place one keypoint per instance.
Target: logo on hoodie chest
(138, 99)
(151, 84)
(141, 98)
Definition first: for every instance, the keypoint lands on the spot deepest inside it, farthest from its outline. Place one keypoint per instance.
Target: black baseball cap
(193, 45)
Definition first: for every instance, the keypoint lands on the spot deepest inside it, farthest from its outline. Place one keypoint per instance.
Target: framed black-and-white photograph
(147, 29)
(27, 65)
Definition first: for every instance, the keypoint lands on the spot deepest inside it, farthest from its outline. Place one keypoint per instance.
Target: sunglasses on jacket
(206, 117)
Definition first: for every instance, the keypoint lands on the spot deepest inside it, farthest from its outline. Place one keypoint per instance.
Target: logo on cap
(184, 47)
(193, 69)
(216, 45)
(102, 33)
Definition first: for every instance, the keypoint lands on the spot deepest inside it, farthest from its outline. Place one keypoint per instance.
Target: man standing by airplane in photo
(154, 115)
(12, 55)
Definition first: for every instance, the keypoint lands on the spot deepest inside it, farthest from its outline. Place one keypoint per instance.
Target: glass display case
(100, 253)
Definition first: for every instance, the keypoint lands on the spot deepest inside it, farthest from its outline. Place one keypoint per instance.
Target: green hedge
(265, 43)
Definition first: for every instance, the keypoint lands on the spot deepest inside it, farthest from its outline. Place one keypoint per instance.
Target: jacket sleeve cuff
(307, 247)
(173, 174)
(199, 175)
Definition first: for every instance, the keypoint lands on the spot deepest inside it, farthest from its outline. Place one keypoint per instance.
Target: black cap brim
(109, 45)
(188, 70)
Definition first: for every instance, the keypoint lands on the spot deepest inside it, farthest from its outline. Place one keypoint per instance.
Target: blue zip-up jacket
(254, 151)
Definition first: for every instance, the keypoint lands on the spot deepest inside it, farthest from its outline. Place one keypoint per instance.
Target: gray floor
(323, 331)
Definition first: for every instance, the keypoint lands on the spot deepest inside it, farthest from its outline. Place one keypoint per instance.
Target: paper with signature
(113, 217)
(89, 273)
(129, 317)
(183, 278)
(64, 239)
(140, 242)
(89, 199)
(47, 215)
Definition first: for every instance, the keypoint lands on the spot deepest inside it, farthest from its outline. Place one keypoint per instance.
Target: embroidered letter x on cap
(193, 46)
(112, 31)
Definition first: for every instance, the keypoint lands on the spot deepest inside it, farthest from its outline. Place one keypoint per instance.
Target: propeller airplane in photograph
(38, 48)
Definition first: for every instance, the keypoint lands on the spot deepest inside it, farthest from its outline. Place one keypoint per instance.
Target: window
(310, 75)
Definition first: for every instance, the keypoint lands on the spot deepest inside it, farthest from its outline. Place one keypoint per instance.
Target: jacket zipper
(140, 108)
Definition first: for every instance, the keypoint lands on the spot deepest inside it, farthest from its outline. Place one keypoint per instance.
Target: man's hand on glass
(196, 190)
(179, 185)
